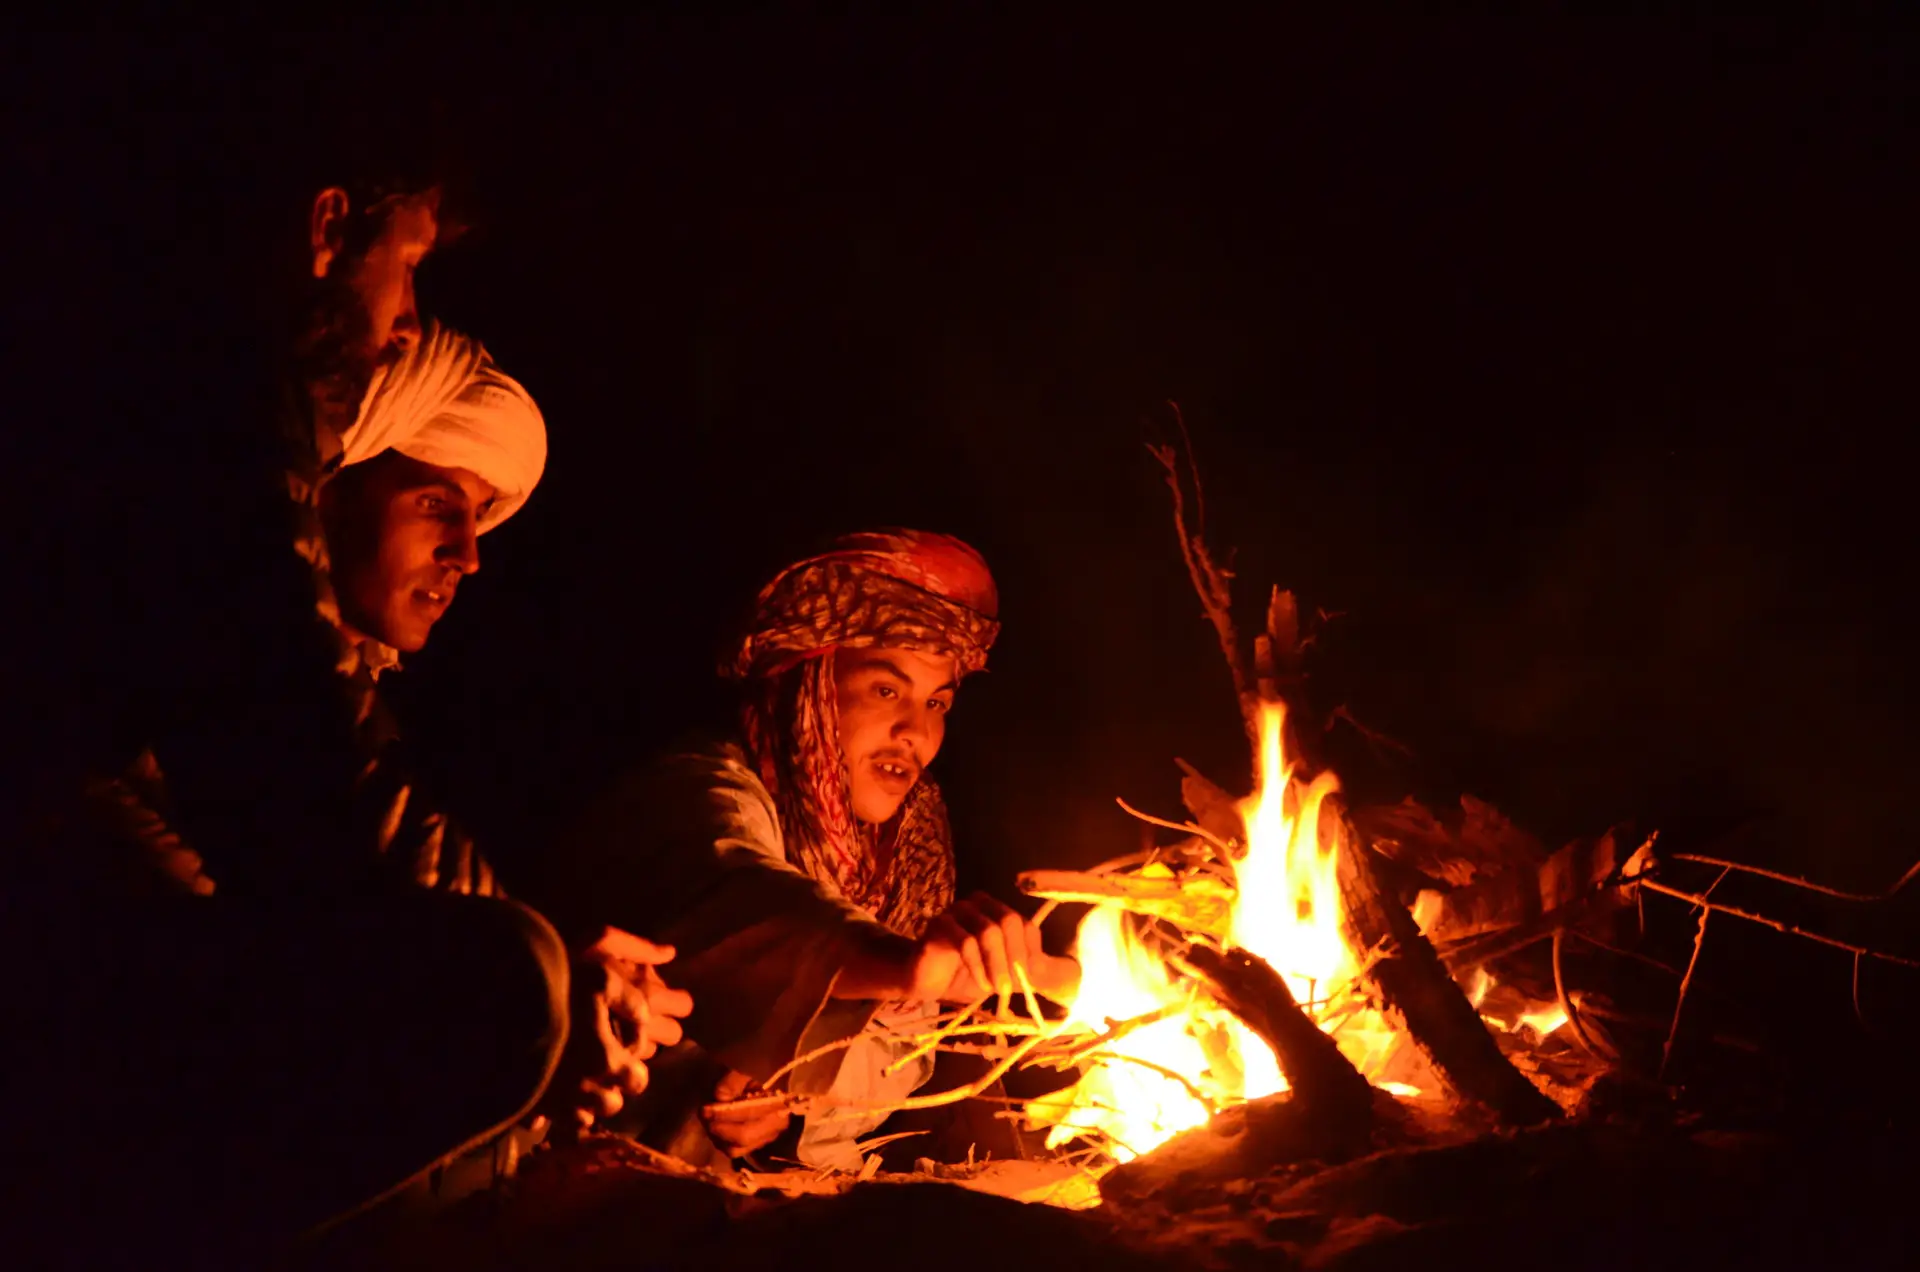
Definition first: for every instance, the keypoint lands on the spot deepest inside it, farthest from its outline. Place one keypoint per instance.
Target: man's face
(377, 283)
(401, 535)
(893, 716)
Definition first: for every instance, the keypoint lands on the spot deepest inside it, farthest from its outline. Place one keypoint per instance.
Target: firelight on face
(402, 535)
(893, 716)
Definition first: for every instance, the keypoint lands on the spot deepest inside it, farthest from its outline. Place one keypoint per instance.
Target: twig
(1686, 982)
(1604, 1012)
(838, 1044)
(1788, 928)
(925, 1047)
(1113, 1056)
(1859, 1014)
(939, 1098)
(1210, 582)
(1026, 991)
(1373, 737)
(1796, 881)
(1118, 1031)
(1189, 827)
(1566, 1001)
(1599, 944)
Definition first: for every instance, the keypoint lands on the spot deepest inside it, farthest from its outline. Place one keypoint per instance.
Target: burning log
(1322, 1079)
(1415, 985)
(1198, 902)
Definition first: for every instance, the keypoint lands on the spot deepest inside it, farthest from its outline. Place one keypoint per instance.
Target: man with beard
(804, 870)
(300, 987)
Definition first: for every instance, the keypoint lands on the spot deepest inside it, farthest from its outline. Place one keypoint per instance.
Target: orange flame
(1156, 1081)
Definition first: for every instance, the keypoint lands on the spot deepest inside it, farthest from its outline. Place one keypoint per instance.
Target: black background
(1570, 360)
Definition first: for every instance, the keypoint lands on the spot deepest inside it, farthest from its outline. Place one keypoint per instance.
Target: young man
(805, 871)
(300, 986)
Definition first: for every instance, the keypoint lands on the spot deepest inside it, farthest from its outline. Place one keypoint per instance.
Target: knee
(545, 957)
(521, 985)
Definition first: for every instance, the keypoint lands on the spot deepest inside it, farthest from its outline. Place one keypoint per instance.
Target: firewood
(1415, 986)
(1217, 812)
(1323, 1079)
(1198, 902)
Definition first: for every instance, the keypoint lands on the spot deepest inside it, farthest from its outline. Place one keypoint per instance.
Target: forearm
(880, 971)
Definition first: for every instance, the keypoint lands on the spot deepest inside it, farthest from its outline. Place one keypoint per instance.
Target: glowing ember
(1545, 1021)
(1161, 1078)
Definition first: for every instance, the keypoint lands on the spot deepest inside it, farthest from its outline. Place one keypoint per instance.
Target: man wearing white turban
(319, 994)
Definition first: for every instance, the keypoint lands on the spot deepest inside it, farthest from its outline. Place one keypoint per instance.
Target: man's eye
(886, 691)
(939, 704)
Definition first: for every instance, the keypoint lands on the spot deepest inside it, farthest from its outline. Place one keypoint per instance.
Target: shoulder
(704, 787)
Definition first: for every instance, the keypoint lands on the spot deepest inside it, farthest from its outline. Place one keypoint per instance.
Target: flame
(1545, 1021)
(1157, 1080)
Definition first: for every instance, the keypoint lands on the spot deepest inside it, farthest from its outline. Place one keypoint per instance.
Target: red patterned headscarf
(903, 589)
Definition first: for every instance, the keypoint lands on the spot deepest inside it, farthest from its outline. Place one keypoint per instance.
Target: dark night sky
(1571, 361)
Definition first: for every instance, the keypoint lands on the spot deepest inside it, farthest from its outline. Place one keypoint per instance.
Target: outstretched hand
(978, 948)
(998, 951)
(623, 1013)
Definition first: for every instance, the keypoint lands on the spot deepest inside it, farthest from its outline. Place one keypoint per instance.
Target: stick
(1566, 1001)
(828, 1049)
(1789, 929)
(939, 1098)
(1686, 982)
(1414, 983)
(1210, 582)
(1112, 1057)
(1189, 827)
(1198, 901)
(1913, 871)
(1320, 1075)
(923, 1049)
(1599, 944)
(1604, 1012)
(1119, 1031)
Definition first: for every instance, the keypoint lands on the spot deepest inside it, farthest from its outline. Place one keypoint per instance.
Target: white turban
(445, 403)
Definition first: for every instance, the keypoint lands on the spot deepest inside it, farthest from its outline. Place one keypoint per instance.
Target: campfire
(1179, 1055)
(1262, 955)
(1330, 1033)
(1341, 981)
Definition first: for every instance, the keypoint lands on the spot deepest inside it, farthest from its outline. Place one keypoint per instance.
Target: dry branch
(1198, 902)
(1686, 983)
(1414, 983)
(1322, 1079)
(1210, 581)
(1913, 871)
(1221, 844)
(1776, 924)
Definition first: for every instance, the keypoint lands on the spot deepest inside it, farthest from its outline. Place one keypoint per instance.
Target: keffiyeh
(898, 588)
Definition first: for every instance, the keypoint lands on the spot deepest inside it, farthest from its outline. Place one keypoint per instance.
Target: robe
(690, 851)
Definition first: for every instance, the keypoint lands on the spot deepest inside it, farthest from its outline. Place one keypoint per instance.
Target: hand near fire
(623, 1012)
(978, 948)
(984, 947)
(741, 1130)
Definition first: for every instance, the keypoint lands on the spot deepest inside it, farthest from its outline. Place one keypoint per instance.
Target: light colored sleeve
(693, 856)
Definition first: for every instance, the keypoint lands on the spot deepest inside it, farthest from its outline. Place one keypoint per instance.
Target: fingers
(947, 929)
(641, 1014)
(745, 1133)
(732, 1086)
(1006, 939)
(663, 1004)
(992, 942)
(614, 943)
(594, 1102)
(664, 999)
(1021, 939)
